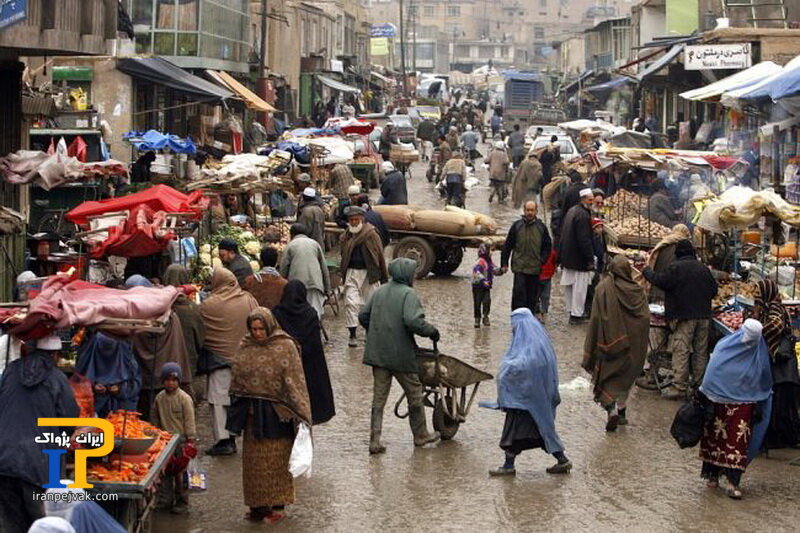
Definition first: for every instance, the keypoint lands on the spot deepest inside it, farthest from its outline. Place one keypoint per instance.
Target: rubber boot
(419, 427)
(376, 424)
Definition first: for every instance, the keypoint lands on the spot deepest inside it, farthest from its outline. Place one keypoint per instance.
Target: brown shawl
(616, 343)
(680, 232)
(152, 350)
(772, 314)
(271, 370)
(373, 253)
(527, 178)
(225, 314)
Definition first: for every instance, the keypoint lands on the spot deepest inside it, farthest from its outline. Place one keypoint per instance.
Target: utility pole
(262, 63)
(414, 8)
(403, 52)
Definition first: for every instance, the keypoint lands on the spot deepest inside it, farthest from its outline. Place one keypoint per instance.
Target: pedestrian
(267, 284)
(445, 152)
(688, 289)
(224, 315)
(548, 158)
(388, 138)
(576, 254)
(527, 247)
(269, 398)
(173, 411)
(469, 143)
(738, 384)
(348, 110)
(363, 267)
(455, 177)
(496, 123)
(393, 186)
(392, 316)
(527, 391)
(110, 365)
(353, 194)
(516, 143)
(483, 274)
(784, 426)
(498, 172)
(616, 342)
(545, 284)
(426, 132)
(600, 249)
(452, 138)
(233, 260)
(297, 318)
(373, 217)
(659, 206)
(304, 260)
(31, 388)
(664, 254)
(527, 181)
(189, 314)
(312, 216)
(572, 194)
(598, 207)
(340, 180)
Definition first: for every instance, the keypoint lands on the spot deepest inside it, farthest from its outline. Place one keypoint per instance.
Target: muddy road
(636, 479)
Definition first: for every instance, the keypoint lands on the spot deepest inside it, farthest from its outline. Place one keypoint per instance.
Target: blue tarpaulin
(781, 85)
(520, 75)
(154, 140)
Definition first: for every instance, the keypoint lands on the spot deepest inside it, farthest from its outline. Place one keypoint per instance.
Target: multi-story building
(194, 34)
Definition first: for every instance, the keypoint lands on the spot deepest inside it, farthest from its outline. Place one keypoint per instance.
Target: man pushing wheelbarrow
(392, 316)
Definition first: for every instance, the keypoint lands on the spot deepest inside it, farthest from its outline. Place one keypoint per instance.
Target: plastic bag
(302, 453)
(195, 476)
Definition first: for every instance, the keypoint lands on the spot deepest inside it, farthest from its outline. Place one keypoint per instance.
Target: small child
(545, 281)
(173, 411)
(483, 274)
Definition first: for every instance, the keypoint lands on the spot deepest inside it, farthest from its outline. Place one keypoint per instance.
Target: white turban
(586, 192)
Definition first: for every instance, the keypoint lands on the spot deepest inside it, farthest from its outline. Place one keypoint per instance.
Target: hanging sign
(12, 11)
(718, 56)
(379, 46)
(385, 29)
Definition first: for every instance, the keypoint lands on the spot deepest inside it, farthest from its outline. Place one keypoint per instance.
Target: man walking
(304, 260)
(527, 181)
(392, 317)
(233, 260)
(688, 289)
(312, 216)
(363, 266)
(528, 246)
(498, 171)
(576, 252)
(516, 142)
(393, 186)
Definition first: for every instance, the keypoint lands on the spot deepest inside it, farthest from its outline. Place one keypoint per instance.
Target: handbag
(687, 426)
(786, 350)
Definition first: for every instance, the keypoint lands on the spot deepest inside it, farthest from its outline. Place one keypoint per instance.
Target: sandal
(734, 493)
(274, 517)
(712, 483)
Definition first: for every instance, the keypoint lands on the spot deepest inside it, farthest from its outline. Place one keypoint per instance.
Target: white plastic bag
(302, 453)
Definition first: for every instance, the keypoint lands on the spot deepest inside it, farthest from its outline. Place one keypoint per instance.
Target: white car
(565, 144)
(547, 130)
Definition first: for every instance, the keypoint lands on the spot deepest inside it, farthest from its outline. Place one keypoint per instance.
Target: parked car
(547, 130)
(565, 144)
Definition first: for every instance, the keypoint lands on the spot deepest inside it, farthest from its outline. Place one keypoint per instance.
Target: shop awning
(783, 84)
(337, 85)
(574, 84)
(384, 79)
(744, 78)
(610, 85)
(661, 62)
(768, 129)
(765, 87)
(162, 72)
(252, 100)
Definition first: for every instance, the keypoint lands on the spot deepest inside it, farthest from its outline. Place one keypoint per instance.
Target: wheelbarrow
(445, 381)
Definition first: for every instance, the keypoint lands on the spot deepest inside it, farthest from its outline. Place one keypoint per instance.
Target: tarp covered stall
(767, 87)
(162, 72)
(661, 62)
(611, 85)
(337, 85)
(250, 98)
(741, 79)
(157, 197)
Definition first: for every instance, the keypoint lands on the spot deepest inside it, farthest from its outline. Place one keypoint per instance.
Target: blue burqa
(528, 377)
(107, 361)
(739, 372)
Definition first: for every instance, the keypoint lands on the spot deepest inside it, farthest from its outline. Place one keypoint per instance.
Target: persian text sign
(12, 11)
(717, 56)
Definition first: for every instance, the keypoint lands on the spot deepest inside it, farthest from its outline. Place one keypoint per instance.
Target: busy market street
(399, 265)
(634, 479)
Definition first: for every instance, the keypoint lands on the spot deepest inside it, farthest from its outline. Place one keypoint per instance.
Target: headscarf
(740, 372)
(528, 376)
(176, 275)
(773, 316)
(679, 232)
(271, 370)
(296, 316)
(137, 280)
(51, 524)
(225, 314)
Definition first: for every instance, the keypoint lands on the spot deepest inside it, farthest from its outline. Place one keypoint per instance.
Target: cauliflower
(246, 236)
(255, 266)
(205, 258)
(216, 262)
(206, 249)
(215, 252)
(252, 248)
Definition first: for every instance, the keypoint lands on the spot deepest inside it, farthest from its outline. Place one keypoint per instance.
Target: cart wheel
(419, 250)
(447, 260)
(446, 426)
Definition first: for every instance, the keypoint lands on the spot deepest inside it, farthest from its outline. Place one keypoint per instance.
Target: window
(538, 33)
(165, 15)
(542, 3)
(142, 12)
(187, 44)
(429, 11)
(453, 11)
(425, 51)
(164, 44)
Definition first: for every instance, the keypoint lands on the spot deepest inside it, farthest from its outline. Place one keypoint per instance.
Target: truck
(522, 91)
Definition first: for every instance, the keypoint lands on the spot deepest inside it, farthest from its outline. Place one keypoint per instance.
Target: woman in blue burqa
(738, 382)
(527, 390)
(110, 365)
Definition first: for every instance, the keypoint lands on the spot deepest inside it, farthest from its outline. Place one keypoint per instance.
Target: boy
(545, 280)
(482, 278)
(173, 411)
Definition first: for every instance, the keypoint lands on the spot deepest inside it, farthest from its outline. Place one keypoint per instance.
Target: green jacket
(392, 316)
